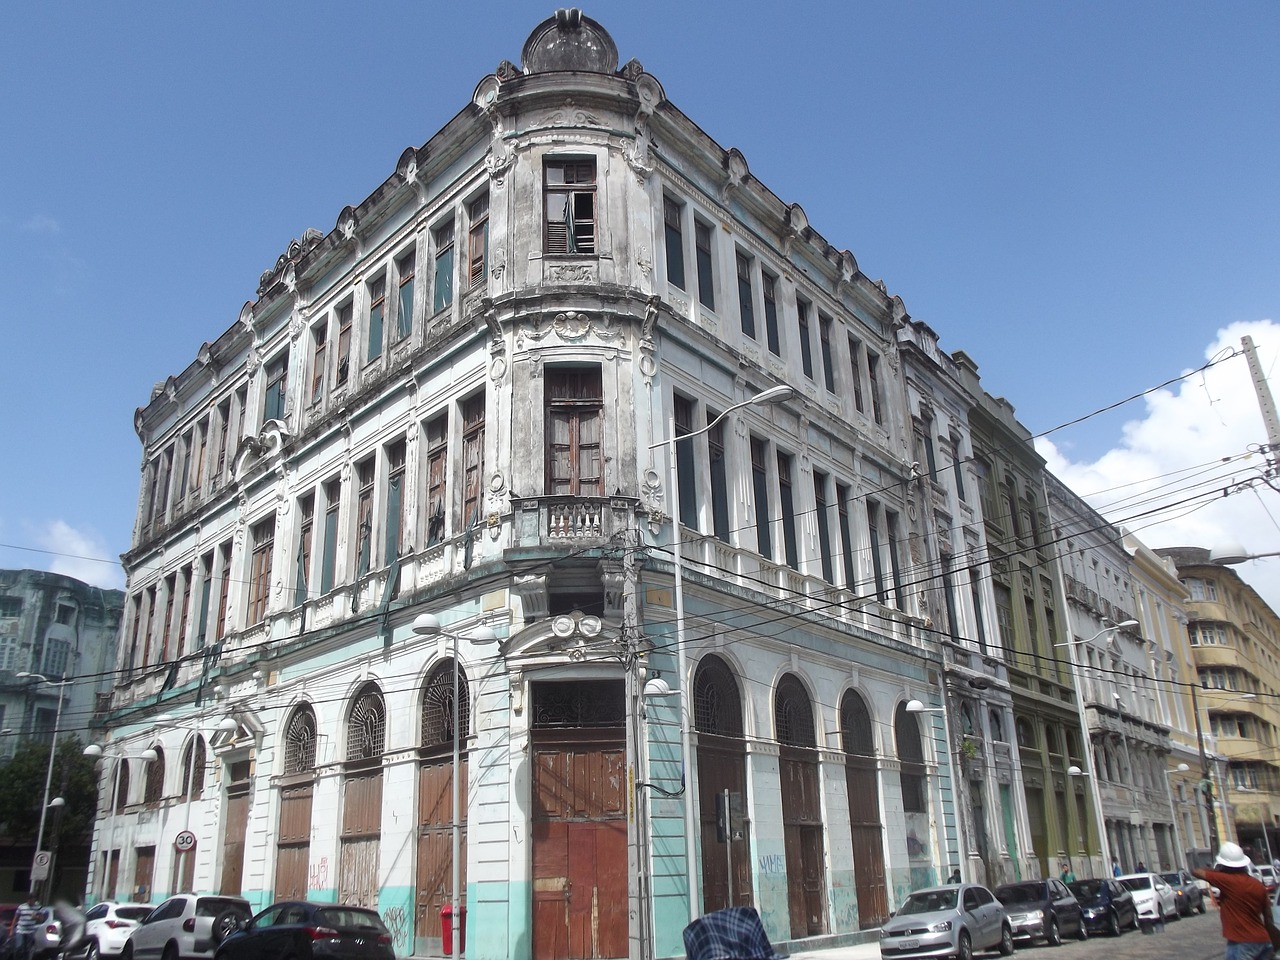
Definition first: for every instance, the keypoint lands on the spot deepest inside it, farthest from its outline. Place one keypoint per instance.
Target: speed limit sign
(184, 842)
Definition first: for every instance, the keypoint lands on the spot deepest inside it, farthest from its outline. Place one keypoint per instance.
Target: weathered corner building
(458, 401)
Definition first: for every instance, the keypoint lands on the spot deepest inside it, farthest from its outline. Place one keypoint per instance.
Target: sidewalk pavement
(857, 951)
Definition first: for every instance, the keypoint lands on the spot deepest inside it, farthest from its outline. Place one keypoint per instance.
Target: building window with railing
(574, 417)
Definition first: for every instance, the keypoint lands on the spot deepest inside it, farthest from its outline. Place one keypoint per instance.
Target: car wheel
(223, 925)
(965, 950)
(1201, 907)
(1053, 937)
(1113, 923)
(1083, 932)
(127, 952)
(1006, 941)
(170, 952)
(91, 950)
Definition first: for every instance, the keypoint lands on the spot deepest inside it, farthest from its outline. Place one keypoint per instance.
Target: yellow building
(1234, 637)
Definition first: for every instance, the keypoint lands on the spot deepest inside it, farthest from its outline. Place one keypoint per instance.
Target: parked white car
(186, 927)
(107, 926)
(1153, 898)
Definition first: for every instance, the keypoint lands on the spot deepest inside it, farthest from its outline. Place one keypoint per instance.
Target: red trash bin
(446, 929)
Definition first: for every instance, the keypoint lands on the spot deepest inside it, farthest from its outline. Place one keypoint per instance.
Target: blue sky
(1081, 196)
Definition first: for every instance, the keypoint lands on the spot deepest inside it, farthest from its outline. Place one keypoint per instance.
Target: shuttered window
(478, 242)
(264, 538)
(437, 477)
(575, 403)
(569, 191)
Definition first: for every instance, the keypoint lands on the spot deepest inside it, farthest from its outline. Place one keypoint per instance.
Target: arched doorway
(913, 779)
(293, 832)
(862, 781)
(434, 886)
(722, 766)
(362, 799)
(801, 808)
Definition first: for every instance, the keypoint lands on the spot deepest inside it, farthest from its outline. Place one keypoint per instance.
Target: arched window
(997, 726)
(717, 707)
(1025, 732)
(300, 741)
(437, 706)
(367, 725)
(968, 726)
(793, 714)
(855, 725)
(154, 790)
(194, 760)
(122, 787)
(906, 732)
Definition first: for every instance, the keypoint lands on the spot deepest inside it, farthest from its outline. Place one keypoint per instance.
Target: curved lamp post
(53, 750)
(772, 395)
(428, 625)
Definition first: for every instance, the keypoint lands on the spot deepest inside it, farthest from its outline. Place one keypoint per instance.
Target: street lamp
(95, 751)
(1087, 746)
(53, 749)
(428, 625)
(917, 706)
(773, 395)
(1233, 553)
(1177, 834)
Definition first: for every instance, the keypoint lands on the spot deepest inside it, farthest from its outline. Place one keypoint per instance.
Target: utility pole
(1206, 781)
(1265, 404)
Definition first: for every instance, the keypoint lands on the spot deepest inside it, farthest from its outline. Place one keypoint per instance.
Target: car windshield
(1086, 890)
(1137, 883)
(132, 913)
(1021, 893)
(929, 901)
(1172, 878)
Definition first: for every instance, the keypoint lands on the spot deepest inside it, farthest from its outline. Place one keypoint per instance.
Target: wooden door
(143, 873)
(580, 849)
(293, 842)
(113, 875)
(803, 842)
(435, 844)
(868, 842)
(361, 838)
(722, 766)
(233, 843)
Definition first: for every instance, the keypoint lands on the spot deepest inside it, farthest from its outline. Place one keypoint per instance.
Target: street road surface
(1193, 938)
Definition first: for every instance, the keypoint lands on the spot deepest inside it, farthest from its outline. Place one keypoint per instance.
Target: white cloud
(79, 554)
(1175, 454)
(42, 224)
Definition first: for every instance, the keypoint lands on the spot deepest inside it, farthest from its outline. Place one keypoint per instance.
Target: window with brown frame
(437, 477)
(364, 516)
(377, 314)
(345, 313)
(319, 350)
(392, 545)
(263, 536)
(473, 411)
(478, 241)
(224, 590)
(569, 199)
(306, 535)
(405, 272)
(575, 414)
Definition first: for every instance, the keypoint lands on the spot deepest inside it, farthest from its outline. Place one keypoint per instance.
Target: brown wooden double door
(293, 842)
(868, 842)
(435, 843)
(579, 832)
(722, 766)
(803, 841)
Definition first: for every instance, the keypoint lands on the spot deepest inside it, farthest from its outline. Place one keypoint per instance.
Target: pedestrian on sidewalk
(23, 930)
(1244, 906)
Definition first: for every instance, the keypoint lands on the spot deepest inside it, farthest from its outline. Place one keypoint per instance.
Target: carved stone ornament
(643, 260)
(501, 155)
(848, 268)
(296, 325)
(650, 94)
(570, 115)
(570, 272)
(797, 227)
(245, 319)
(735, 165)
(348, 226)
(571, 327)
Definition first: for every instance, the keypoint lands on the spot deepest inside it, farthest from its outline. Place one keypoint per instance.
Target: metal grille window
(300, 741)
(194, 775)
(366, 725)
(437, 706)
(717, 707)
(569, 190)
(153, 792)
(573, 704)
(793, 713)
(855, 725)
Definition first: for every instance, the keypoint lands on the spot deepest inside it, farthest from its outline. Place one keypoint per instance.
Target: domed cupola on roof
(569, 41)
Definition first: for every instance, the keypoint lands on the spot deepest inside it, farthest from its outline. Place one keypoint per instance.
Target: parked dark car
(1042, 910)
(1189, 895)
(305, 930)
(1107, 905)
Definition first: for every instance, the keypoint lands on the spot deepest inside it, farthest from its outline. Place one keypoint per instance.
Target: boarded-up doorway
(579, 821)
(801, 808)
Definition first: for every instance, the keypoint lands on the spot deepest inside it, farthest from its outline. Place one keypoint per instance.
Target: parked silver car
(950, 921)
(185, 927)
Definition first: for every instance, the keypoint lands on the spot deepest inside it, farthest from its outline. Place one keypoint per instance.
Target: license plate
(908, 944)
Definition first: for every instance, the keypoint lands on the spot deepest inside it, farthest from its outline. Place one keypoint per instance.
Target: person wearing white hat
(1245, 908)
